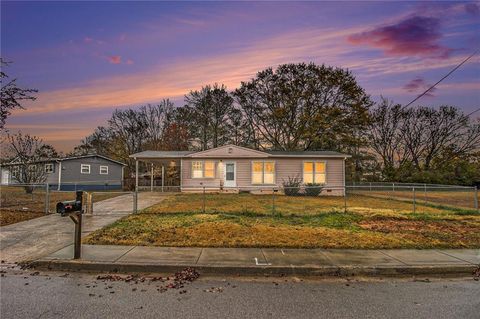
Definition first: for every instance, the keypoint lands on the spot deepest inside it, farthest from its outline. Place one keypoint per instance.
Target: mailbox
(71, 206)
(73, 209)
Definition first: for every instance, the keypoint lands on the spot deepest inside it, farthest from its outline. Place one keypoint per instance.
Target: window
(48, 168)
(103, 170)
(263, 172)
(85, 168)
(209, 169)
(203, 169)
(314, 172)
(197, 169)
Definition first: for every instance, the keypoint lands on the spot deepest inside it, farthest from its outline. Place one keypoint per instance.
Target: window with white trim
(314, 172)
(49, 168)
(103, 170)
(203, 169)
(85, 168)
(263, 172)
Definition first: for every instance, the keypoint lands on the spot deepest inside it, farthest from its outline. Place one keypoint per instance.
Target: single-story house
(231, 167)
(88, 172)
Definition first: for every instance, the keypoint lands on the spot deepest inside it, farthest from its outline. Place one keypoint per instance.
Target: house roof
(252, 153)
(307, 153)
(61, 159)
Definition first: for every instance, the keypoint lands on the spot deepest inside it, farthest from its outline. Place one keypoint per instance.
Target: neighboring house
(89, 172)
(233, 167)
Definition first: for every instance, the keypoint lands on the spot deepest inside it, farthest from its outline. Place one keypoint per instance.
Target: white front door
(230, 174)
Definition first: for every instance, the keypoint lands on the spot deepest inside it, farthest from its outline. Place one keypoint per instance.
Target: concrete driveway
(41, 236)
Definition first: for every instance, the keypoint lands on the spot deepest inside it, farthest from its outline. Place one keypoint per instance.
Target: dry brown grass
(296, 223)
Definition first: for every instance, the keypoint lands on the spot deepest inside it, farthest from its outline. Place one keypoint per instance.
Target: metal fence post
(47, 199)
(91, 203)
(425, 192)
(135, 196)
(273, 200)
(344, 199)
(476, 198)
(414, 201)
(203, 200)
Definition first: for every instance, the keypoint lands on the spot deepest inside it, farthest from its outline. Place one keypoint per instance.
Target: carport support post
(163, 176)
(151, 178)
(135, 199)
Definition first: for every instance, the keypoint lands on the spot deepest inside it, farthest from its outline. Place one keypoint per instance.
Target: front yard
(246, 220)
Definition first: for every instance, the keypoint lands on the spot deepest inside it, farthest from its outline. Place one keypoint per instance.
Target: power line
(473, 112)
(443, 78)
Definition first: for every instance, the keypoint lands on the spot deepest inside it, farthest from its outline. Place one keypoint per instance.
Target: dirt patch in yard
(8, 217)
(462, 233)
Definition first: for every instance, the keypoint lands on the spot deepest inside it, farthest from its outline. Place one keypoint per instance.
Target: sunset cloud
(115, 59)
(418, 85)
(179, 77)
(414, 36)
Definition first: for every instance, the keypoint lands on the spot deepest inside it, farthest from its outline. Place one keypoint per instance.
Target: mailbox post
(74, 210)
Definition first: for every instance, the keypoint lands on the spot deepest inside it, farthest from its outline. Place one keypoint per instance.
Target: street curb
(321, 271)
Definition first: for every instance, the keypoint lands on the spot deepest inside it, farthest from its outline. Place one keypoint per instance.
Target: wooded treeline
(304, 107)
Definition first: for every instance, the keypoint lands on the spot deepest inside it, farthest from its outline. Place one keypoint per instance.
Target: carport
(163, 159)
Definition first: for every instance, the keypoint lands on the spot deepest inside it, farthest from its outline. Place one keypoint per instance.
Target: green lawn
(245, 220)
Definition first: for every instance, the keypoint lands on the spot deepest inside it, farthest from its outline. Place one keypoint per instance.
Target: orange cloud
(115, 59)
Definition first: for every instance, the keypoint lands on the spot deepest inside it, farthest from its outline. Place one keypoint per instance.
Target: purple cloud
(417, 36)
(418, 85)
(472, 8)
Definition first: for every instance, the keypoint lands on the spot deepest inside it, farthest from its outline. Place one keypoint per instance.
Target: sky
(89, 58)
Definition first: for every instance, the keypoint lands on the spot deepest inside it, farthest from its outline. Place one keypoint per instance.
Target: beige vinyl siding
(284, 168)
(188, 181)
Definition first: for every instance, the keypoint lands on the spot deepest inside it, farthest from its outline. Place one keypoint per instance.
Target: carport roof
(161, 154)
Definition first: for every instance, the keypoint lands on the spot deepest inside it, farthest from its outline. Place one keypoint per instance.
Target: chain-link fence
(301, 200)
(36, 199)
(309, 200)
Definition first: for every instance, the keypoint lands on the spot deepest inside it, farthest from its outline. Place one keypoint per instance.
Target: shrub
(291, 186)
(313, 189)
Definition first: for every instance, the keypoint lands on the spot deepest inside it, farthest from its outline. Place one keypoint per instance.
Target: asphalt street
(28, 294)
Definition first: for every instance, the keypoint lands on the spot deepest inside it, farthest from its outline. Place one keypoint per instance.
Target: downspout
(59, 175)
(181, 173)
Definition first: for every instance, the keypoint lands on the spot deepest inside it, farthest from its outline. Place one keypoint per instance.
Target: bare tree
(27, 157)
(384, 134)
(421, 139)
(11, 95)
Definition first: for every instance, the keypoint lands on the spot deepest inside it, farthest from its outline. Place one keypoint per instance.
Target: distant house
(89, 172)
(238, 168)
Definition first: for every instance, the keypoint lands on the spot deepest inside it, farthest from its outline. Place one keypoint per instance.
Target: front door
(230, 174)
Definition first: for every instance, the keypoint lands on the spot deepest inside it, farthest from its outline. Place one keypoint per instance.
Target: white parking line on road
(261, 264)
